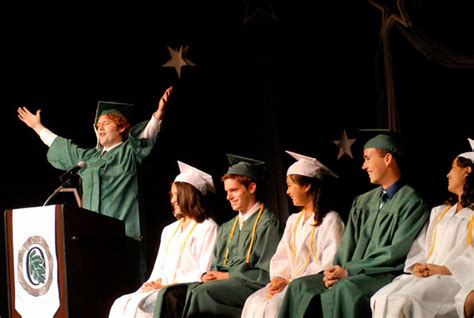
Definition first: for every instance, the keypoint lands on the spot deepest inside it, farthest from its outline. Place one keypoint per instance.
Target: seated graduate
(310, 239)
(465, 295)
(381, 227)
(440, 261)
(242, 256)
(186, 245)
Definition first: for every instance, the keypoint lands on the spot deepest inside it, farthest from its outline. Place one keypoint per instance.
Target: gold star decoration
(258, 6)
(178, 59)
(344, 145)
(392, 10)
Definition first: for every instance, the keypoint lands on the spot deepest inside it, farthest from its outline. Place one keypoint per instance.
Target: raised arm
(160, 112)
(152, 128)
(31, 120)
(34, 122)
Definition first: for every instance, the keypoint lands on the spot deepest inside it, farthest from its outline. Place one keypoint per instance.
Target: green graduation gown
(109, 182)
(226, 298)
(373, 250)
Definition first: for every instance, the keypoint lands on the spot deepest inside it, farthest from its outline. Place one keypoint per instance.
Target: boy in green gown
(245, 245)
(381, 227)
(109, 180)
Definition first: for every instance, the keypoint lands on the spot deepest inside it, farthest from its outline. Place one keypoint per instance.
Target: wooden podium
(97, 263)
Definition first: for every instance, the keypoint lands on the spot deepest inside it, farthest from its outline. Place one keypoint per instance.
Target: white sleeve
(327, 242)
(160, 258)
(280, 264)
(151, 129)
(47, 136)
(207, 249)
(419, 249)
(462, 269)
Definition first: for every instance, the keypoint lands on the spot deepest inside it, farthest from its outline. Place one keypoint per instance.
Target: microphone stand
(65, 183)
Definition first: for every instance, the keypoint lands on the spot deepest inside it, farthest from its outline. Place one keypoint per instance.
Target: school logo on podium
(35, 266)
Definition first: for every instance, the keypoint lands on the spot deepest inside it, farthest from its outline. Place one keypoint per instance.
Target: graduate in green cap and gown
(382, 225)
(109, 180)
(245, 245)
(439, 269)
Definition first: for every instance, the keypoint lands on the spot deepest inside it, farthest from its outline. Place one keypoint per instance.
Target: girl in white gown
(441, 258)
(186, 245)
(309, 242)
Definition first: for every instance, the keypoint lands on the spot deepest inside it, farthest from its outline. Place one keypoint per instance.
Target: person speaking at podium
(109, 181)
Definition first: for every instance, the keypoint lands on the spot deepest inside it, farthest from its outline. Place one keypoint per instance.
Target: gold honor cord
(254, 230)
(247, 260)
(185, 240)
(469, 234)
(295, 229)
(172, 236)
(182, 247)
(433, 241)
(313, 231)
(187, 237)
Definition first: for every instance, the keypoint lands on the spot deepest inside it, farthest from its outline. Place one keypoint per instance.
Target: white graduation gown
(464, 264)
(433, 296)
(175, 263)
(290, 265)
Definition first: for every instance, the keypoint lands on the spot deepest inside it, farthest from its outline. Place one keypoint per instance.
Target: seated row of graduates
(316, 266)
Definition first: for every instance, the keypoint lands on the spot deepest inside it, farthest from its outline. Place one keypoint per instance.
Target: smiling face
(241, 198)
(375, 164)
(108, 131)
(298, 193)
(174, 201)
(457, 178)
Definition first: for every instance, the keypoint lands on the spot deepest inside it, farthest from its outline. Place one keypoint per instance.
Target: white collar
(111, 147)
(253, 209)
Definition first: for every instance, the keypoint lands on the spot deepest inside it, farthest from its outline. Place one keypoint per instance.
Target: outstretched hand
(31, 120)
(160, 112)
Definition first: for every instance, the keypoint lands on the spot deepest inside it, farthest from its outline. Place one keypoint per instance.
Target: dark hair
(467, 197)
(122, 122)
(321, 206)
(190, 201)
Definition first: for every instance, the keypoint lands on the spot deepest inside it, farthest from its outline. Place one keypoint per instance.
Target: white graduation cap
(307, 166)
(469, 155)
(195, 177)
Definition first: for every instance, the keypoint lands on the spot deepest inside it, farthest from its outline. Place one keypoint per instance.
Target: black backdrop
(291, 76)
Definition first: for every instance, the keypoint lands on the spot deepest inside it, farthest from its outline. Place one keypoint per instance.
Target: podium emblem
(35, 266)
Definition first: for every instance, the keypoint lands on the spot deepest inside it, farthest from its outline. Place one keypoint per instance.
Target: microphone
(71, 172)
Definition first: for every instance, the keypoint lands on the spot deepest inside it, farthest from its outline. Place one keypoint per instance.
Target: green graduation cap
(243, 166)
(104, 108)
(387, 142)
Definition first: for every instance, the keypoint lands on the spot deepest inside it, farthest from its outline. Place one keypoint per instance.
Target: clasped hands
(333, 274)
(214, 275)
(426, 270)
(151, 285)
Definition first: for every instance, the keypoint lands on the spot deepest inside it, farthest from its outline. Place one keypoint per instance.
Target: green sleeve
(391, 256)
(142, 147)
(64, 154)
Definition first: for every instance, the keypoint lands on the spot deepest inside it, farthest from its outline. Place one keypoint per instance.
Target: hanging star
(178, 59)
(392, 10)
(344, 145)
(255, 7)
